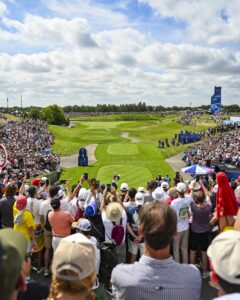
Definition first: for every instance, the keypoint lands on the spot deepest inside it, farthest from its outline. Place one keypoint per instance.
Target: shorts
(48, 239)
(199, 240)
(133, 248)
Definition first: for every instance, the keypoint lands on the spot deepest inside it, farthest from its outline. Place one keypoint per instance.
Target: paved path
(71, 161)
(126, 136)
(176, 163)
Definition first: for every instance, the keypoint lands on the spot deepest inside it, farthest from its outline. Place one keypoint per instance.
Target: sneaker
(40, 271)
(46, 273)
(205, 275)
(34, 268)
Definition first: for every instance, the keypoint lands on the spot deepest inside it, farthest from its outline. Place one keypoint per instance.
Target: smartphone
(28, 175)
(85, 176)
(42, 183)
(109, 187)
(63, 181)
(47, 182)
(177, 175)
(97, 184)
(197, 178)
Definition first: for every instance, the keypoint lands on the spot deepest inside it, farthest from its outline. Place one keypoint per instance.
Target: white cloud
(194, 59)
(64, 60)
(36, 30)
(211, 21)
(3, 9)
(94, 12)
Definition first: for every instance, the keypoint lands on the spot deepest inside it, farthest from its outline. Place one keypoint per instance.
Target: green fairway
(122, 149)
(135, 162)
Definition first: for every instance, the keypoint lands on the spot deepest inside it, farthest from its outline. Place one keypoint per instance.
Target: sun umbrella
(197, 169)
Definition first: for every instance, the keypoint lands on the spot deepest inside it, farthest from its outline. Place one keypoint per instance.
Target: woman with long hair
(73, 269)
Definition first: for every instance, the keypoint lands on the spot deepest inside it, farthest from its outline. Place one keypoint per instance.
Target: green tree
(53, 114)
(35, 113)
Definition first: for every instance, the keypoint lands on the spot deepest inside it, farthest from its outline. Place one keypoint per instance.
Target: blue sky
(163, 52)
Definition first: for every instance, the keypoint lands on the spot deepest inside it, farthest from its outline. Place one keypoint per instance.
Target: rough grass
(136, 163)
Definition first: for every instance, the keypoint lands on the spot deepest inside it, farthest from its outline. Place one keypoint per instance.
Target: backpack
(80, 212)
(117, 233)
(47, 224)
(108, 260)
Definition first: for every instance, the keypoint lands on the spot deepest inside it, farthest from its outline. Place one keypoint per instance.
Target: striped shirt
(153, 279)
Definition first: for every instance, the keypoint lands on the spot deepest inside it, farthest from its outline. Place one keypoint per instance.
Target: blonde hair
(82, 289)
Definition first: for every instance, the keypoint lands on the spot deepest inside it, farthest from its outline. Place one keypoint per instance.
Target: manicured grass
(135, 162)
(125, 117)
(122, 149)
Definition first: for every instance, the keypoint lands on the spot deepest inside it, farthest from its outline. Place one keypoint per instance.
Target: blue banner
(186, 138)
(216, 101)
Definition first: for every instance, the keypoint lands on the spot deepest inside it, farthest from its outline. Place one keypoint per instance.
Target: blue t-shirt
(132, 218)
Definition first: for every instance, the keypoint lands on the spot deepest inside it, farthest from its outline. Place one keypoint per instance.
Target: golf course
(123, 146)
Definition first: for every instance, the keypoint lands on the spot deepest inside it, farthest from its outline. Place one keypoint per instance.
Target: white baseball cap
(139, 198)
(75, 253)
(181, 187)
(224, 254)
(164, 185)
(124, 187)
(159, 194)
(82, 194)
(82, 224)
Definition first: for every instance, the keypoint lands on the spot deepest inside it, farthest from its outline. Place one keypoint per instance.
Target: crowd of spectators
(187, 119)
(132, 244)
(223, 148)
(157, 241)
(28, 144)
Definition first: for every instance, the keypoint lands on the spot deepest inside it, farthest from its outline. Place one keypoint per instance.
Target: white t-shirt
(235, 296)
(64, 204)
(45, 207)
(181, 207)
(108, 225)
(72, 206)
(34, 205)
(129, 204)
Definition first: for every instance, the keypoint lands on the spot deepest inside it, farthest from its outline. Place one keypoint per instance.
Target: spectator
(13, 250)
(160, 195)
(156, 275)
(44, 211)
(74, 270)
(114, 216)
(181, 206)
(129, 200)
(24, 222)
(6, 206)
(124, 189)
(224, 255)
(84, 227)
(60, 222)
(135, 241)
(151, 185)
(33, 205)
(173, 194)
(199, 235)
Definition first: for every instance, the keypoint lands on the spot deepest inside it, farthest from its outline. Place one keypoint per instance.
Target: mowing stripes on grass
(122, 149)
